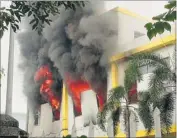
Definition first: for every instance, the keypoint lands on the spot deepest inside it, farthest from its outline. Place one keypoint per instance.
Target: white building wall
(143, 85)
(46, 126)
(89, 106)
(126, 25)
(70, 114)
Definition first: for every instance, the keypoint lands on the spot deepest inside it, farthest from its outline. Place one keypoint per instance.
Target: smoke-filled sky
(19, 100)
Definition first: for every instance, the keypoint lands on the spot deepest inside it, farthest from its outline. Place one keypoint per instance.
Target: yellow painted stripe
(132, 14)
(64, 111)
(114, 75)
(114, 80)
(120, 134)
(154, 45)
(143, 133)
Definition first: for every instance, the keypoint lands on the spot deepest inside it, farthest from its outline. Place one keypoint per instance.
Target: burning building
(68, 71)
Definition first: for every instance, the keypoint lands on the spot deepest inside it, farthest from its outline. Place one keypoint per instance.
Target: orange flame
(44, 76)
(76, 88)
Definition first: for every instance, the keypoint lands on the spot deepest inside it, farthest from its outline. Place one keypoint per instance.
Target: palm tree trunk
(128, 121)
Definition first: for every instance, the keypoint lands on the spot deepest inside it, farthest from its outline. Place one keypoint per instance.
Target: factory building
(132, 39)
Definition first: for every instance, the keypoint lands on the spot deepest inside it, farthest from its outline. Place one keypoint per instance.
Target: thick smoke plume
(77, 42)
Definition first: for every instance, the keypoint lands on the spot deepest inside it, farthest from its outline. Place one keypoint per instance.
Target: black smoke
(79, 42)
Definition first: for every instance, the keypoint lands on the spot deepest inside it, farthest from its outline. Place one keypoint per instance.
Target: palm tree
(161, 89)
(118, 104)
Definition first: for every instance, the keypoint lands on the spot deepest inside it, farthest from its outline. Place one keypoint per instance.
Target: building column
(10, 74)
(114, 83)
(64, 115)
(114, 75)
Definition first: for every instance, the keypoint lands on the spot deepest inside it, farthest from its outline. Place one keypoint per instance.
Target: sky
(144, 8)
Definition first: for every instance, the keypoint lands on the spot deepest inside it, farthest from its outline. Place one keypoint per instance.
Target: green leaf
(151, 33)
(73, 7)
(148, 26)
(25, 9)
(13, 7)
(167, 26)
(47, 21)
(173, 14)
(159, 27)
(11, 11)
(14, 29)
(32, 21)
(159, 16)
(35, 25)
(170, 5)
(16, 26)
(170, 16)
(29, 13)
(17, 15)
(5, 27)
(7, 22)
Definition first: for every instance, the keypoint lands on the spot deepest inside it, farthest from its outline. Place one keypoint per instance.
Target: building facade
(132, 39)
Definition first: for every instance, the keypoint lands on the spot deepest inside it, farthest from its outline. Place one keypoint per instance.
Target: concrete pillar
(89, 107)
(157, 125)
(73, 132)
(10, 74)
(91, 130)
(64, 112)
(110, 128)
(132, 125)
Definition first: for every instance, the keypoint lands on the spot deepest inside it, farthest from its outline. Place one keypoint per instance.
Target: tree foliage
(38, 11)
(115, 107)
(161, 89)
(69, 136)
(162, 21)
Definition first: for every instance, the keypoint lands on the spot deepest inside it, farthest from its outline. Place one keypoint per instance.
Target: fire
(77, 87)
(100, 97)
(44, 76)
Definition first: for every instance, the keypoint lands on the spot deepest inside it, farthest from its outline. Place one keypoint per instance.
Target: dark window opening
(56, 115)
(37, 116)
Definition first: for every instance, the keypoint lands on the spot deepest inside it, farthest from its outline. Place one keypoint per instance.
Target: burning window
(50, 90)
(76, 87)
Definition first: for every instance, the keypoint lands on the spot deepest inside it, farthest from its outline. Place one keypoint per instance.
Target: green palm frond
(124, 119)
(116, 119)
(132, 74)
(116, 94)
(166, 108)
(160, 81)
(149, 59)
(101, 119)
(112, 105)
(145, 111)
